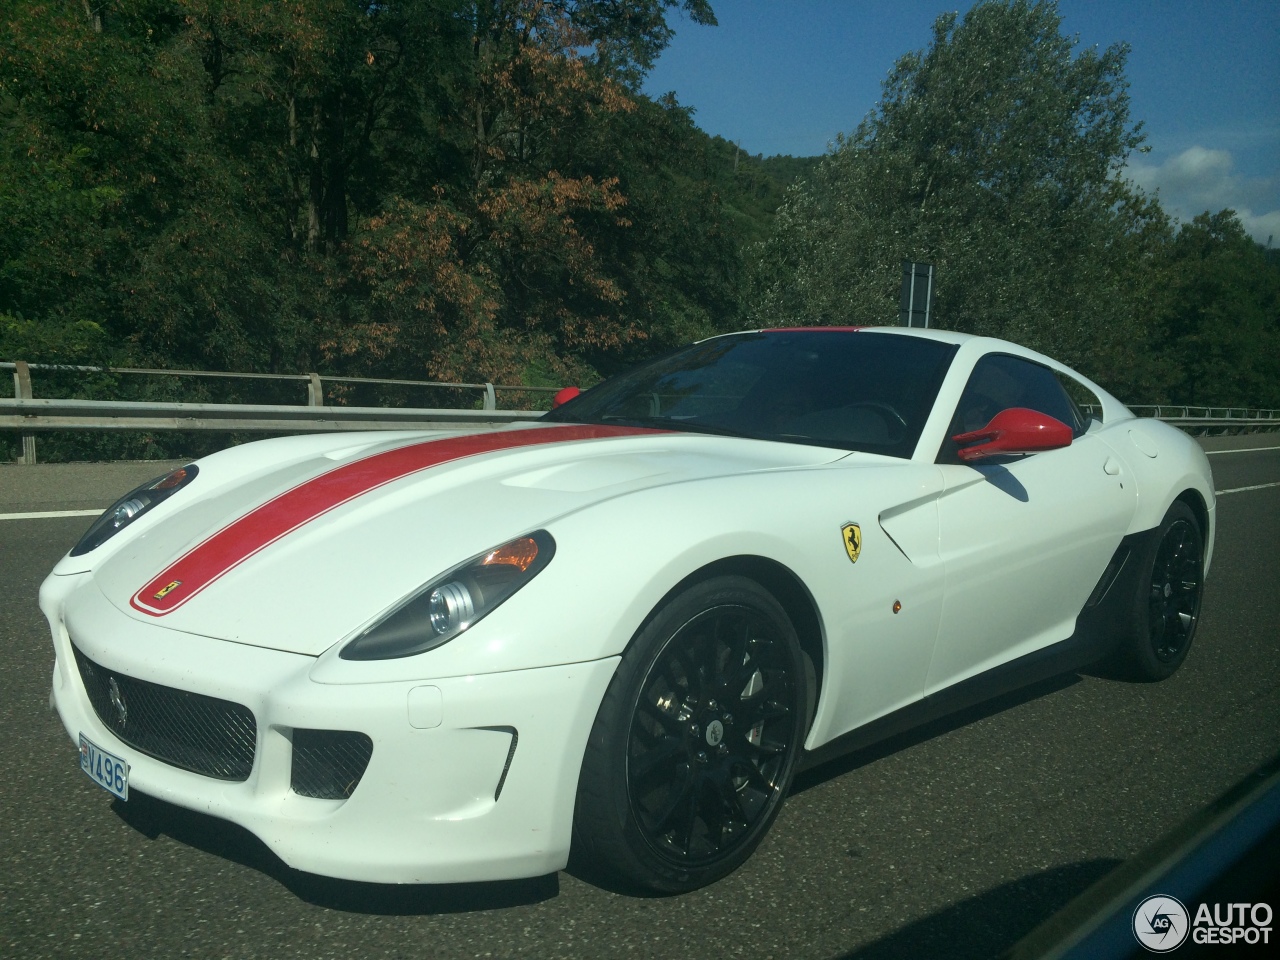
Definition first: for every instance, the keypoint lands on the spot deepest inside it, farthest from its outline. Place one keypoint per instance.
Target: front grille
(212, 737)
(328, 764)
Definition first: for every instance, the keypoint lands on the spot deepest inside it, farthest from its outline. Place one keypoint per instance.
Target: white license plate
(106, 770)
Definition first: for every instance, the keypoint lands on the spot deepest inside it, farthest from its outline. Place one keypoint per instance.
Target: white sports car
(438, 657)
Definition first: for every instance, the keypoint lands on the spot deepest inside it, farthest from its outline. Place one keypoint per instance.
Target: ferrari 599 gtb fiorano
(437, 657)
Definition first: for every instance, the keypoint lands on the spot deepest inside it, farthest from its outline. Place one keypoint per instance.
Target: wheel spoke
(767, 749)
(766, 711)
(680, 674)
(733, 633)
(754, 775)
(654, 759)
(676, 800)
(691, 817)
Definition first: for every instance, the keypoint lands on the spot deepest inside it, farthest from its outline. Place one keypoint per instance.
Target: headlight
(452, 602)
(133, 505)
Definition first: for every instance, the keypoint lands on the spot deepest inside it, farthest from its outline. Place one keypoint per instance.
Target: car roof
(942, 336)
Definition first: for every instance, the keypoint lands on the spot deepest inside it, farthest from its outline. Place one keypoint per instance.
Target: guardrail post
(22, 390)
(490, 398)
(315, 391)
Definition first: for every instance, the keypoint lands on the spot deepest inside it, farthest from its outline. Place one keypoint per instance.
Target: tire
(696, 741)
(1166, 604)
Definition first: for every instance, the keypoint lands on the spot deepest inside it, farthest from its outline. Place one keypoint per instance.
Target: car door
(1023, 539)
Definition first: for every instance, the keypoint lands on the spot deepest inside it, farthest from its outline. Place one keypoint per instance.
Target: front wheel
(696, 740)
(1166, 606)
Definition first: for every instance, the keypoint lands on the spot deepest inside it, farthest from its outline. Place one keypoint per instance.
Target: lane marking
(1214, 453)
(52, 514)
(1256, 486)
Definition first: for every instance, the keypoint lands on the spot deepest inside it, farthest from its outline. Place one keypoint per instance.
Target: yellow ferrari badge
(166, 590)
(852, 540)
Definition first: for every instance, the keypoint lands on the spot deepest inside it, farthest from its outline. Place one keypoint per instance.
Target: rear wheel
(1166, 605)
(696, 741)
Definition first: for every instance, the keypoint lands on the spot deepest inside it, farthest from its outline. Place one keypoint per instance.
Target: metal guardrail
(44, 415)
(315, 381)
(1199, 419)
(30, 415)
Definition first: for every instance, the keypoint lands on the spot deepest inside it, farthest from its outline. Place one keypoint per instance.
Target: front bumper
(428, 808)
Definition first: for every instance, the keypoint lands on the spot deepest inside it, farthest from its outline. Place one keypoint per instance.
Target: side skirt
(1100, 626)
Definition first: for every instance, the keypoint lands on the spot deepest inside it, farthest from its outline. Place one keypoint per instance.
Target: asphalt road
(953, 842)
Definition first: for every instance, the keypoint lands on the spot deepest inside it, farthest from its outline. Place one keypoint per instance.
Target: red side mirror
(1016, 430)
(564, 396)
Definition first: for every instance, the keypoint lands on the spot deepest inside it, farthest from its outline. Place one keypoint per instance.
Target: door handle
(1111, 468)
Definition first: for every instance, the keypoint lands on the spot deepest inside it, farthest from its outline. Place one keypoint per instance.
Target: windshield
(846, 389)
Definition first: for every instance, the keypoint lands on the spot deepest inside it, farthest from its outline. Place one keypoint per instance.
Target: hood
(295, 546)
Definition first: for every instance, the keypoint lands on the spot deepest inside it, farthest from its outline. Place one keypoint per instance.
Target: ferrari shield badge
(169, 588)
(852, 540)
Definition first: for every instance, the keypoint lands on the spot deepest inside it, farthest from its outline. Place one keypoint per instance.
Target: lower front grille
(212, 737)
(328, 764)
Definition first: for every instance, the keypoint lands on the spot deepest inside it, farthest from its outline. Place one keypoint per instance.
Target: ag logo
(852, 540)
(1161, 923)
(166, 590)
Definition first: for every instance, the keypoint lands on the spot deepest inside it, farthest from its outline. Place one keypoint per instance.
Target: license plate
(106, 770)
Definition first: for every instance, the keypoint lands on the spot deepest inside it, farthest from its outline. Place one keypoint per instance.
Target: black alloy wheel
(1166, 610)
(1177, 582)
(697, 739)
(711, 733)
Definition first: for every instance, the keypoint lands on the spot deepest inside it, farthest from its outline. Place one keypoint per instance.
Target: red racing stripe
(264, 525)
(811, 329)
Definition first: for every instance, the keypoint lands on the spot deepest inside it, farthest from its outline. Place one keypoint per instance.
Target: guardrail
(1203, 419)
(30, 415)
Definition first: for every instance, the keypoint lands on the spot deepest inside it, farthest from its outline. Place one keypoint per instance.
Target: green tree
(996, 155)
(1220, 312)
(424, 187)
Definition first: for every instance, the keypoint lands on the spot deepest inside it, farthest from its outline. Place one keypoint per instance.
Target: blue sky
(785, 76)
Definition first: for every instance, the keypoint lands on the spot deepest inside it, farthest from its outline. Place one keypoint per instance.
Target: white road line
(51, 514)
(1214, 453)
(1256, 486)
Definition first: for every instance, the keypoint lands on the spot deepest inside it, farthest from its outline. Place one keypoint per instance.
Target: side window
(1000, 381)
(1086, 402)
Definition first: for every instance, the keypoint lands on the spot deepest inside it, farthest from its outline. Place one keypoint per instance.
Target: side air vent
(1109, 575)
(328, 764)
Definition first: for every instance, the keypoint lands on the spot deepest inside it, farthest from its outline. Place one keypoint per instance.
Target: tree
(421, 188)
(539, 224)
(996, 155)
(1220, 313)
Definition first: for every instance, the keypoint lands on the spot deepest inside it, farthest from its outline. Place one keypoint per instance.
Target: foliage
(994, 155)
(426, 188)
(477, 190)
(1220, 313)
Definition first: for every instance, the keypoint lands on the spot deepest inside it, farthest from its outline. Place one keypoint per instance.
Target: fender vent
(1109, 576)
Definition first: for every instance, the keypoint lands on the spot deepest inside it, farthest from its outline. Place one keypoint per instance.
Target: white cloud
(1199, 179)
